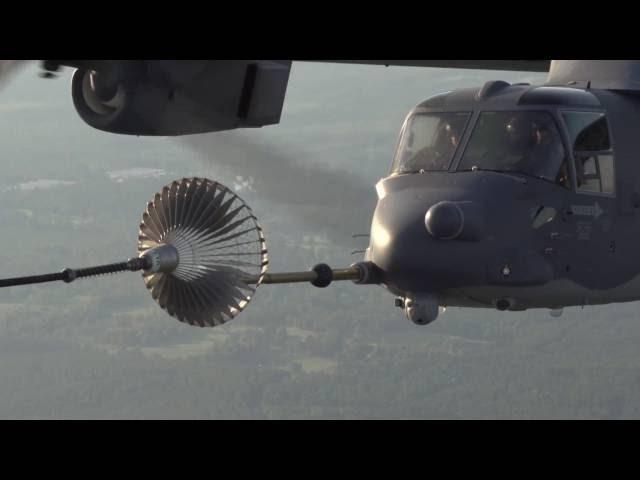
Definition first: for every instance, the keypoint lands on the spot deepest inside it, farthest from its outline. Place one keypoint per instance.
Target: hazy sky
(101, 348)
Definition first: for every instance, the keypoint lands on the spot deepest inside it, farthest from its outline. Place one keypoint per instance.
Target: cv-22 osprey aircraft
(503, 196)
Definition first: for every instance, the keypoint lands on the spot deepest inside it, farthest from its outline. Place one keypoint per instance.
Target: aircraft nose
(426, 246)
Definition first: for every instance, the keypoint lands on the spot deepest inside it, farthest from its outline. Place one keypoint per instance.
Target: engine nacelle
(168, 98)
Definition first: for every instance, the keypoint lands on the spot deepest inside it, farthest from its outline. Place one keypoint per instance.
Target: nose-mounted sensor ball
(444, 221)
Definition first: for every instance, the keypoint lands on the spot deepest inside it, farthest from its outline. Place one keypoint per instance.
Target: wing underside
(184, 97)
(505, 65)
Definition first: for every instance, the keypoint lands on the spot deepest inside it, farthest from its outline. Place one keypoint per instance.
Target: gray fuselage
(519, 242)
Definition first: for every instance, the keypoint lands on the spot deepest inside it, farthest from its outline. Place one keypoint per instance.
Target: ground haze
(101, 348)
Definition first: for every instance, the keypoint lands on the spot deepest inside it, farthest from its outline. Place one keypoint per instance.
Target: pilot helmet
(450, 134)
(519, 133)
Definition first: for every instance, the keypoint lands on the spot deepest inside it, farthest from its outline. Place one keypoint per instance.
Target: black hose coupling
(69, 275)
(324, 275)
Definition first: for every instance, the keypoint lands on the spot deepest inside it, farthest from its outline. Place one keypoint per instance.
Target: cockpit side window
(526, 142)
(429, 141)
(592, 151)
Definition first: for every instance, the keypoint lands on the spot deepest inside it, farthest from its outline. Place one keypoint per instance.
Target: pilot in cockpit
(547, 150)
(438, 155)
(535, 147)
(447, 140)
(519, 141)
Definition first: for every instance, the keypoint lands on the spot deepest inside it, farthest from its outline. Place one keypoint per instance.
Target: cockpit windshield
(429, 142)
(526, 142)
